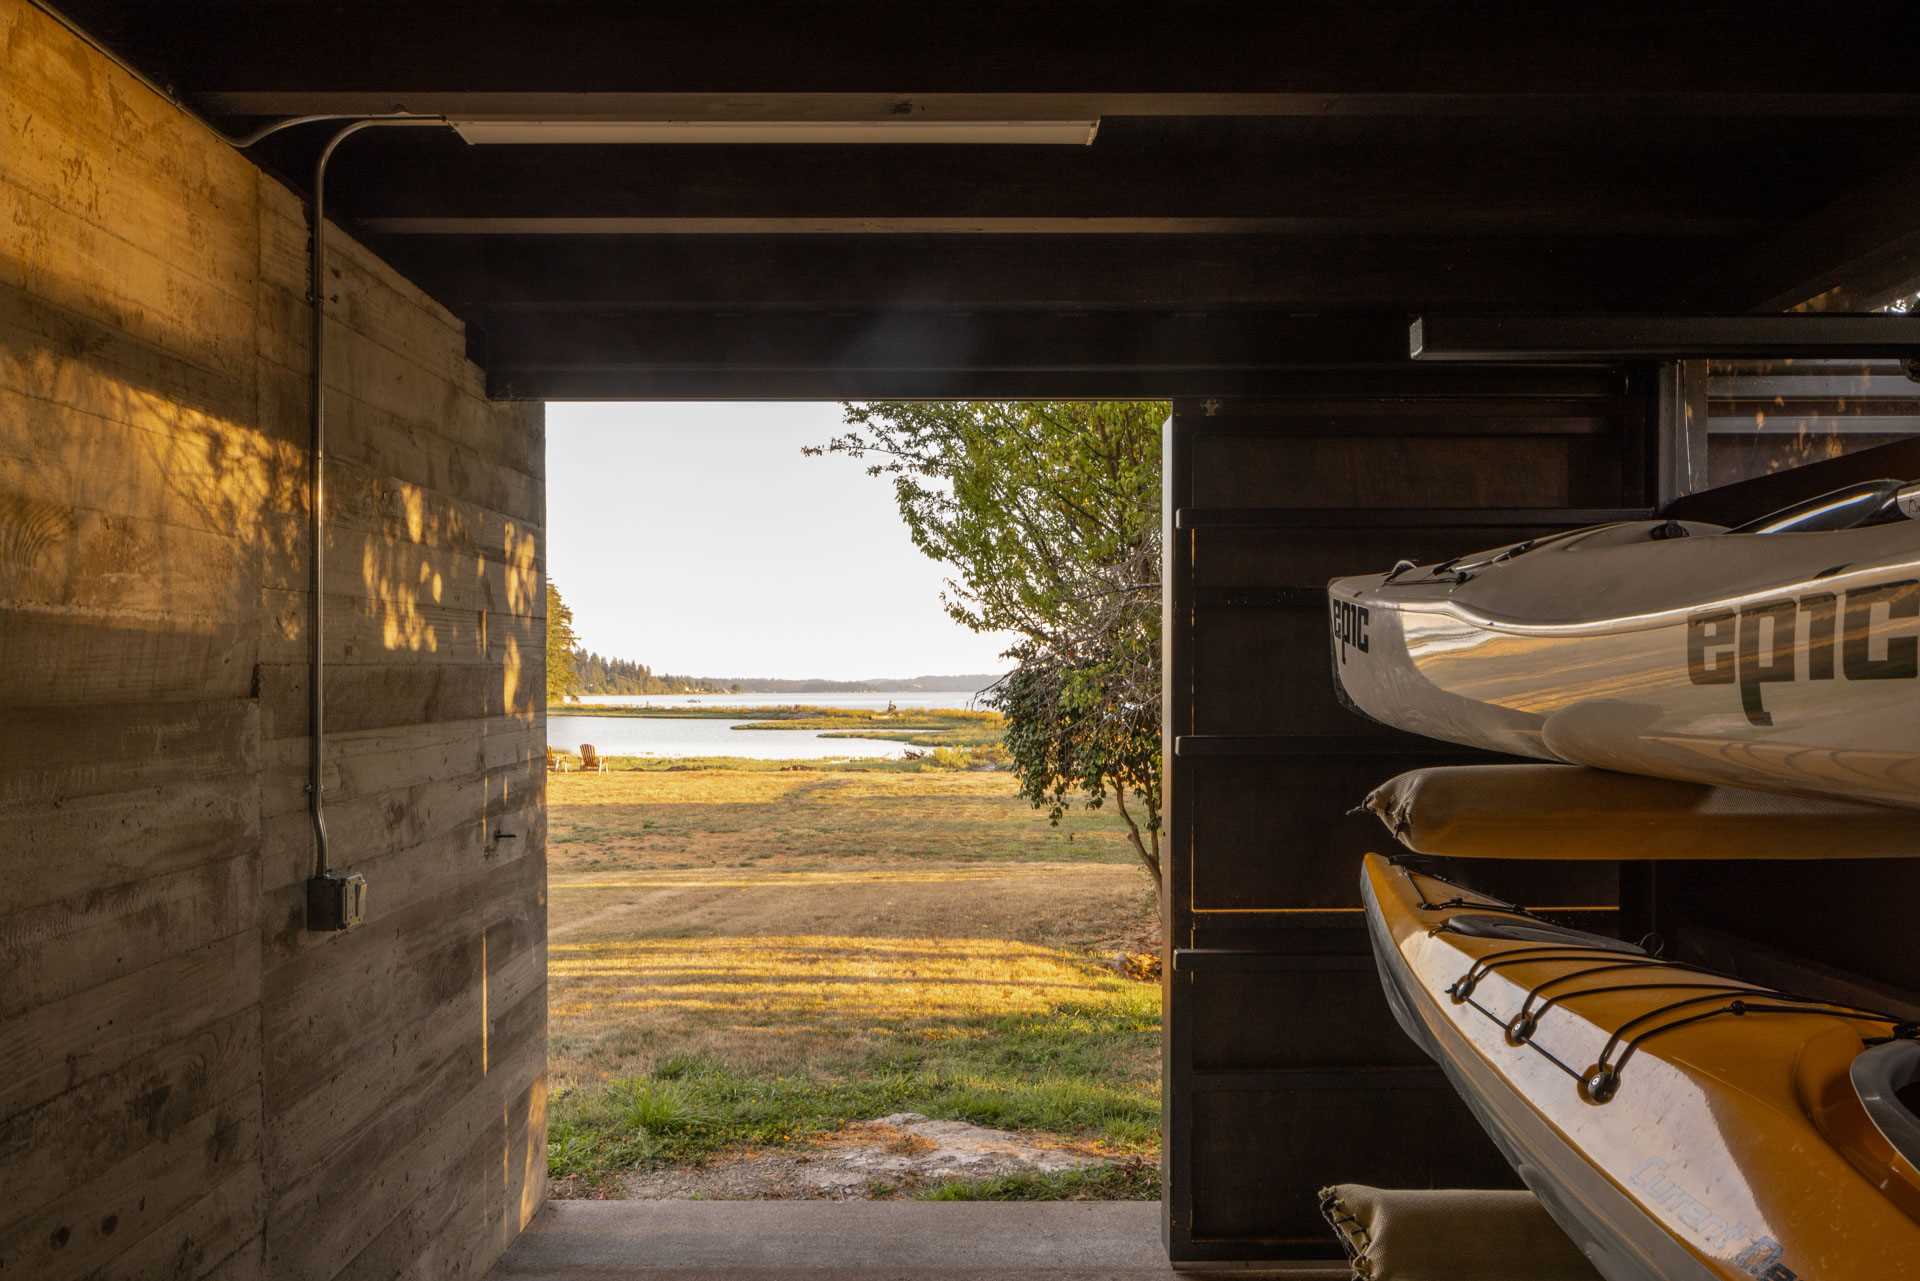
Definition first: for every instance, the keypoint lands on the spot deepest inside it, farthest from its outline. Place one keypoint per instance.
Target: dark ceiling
(1272, 185)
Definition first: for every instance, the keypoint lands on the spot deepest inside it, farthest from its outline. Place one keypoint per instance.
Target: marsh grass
(917, 726)
(808, 715)
(953, 738)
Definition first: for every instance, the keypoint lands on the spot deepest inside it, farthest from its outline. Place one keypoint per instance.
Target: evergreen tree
(563, 680)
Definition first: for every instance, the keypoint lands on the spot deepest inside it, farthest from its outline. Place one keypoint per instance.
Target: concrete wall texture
(192, 1085)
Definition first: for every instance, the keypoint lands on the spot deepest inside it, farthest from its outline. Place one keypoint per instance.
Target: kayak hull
(1788, 663)
(1621, 1241)
(1706, 1163)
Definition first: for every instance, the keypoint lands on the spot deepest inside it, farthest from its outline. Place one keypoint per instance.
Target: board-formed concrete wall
(191, 1085)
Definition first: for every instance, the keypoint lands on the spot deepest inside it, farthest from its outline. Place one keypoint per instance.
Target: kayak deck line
(1505, 625)
(1600, 1082)
(1539, 1049)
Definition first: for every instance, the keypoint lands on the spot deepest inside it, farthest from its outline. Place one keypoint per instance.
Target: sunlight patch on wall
(510, 674)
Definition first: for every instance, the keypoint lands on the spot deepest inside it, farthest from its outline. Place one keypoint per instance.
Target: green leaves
(1048, 514)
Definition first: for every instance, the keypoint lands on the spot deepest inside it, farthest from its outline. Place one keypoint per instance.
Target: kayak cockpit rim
(1882, 1078)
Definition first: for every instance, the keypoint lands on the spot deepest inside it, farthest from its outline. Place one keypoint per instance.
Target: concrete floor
(854, 1240)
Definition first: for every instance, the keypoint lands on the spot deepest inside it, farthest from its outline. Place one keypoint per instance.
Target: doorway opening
(853, 799)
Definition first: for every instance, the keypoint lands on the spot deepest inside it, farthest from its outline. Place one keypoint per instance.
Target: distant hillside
(598, 675)
(969, 684)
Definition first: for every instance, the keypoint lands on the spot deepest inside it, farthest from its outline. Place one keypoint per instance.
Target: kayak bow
(1783, 656)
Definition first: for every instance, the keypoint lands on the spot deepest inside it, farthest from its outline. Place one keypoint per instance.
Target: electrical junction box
(336, 902)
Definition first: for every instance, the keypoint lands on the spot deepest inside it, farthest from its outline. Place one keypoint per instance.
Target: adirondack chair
(591, 760)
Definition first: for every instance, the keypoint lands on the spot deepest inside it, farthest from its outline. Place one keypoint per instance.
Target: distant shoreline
(772, 712)
(743, 687)
(968, 738)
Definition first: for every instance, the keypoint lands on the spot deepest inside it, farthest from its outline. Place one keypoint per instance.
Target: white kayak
(1782, 655)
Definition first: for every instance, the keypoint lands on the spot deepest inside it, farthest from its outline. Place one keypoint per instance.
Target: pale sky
(696, 539)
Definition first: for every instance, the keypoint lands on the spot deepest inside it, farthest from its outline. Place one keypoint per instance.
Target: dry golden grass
(744, 957)
(789, 1002)
(779, 918)
(810, 818)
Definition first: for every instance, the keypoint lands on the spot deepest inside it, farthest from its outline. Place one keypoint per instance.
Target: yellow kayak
(1562, 812)
(1679, 1124)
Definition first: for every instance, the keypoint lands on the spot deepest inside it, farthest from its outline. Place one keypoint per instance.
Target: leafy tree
(1048, 514)
(563, 678)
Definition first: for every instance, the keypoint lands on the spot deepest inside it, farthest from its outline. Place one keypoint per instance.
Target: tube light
(837, 132)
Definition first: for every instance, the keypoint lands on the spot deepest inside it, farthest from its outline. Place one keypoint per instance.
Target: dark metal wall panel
(1393, 1127)
(1781, 486)
(1292, 993)
(1268, 839)
(1767, 416)
(1285, 1070)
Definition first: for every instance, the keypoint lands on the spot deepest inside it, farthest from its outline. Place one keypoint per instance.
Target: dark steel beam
(885, 354)
(1855, 253)
(1415, 518)
(1240, 359)
(724, 377)
(1055, 273)
(896, 339)
(1562, 107)
(1478, 217)
(1494, 339)
(1627, 49)
(1218, 177)
(724, 382)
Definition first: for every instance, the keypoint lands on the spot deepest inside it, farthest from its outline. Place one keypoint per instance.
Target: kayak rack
(1600, 1083)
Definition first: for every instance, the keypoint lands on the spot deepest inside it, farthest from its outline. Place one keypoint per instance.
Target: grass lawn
(752, 957)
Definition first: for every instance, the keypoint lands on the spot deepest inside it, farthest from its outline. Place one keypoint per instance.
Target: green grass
(1128, 1180)
(1085, 1070)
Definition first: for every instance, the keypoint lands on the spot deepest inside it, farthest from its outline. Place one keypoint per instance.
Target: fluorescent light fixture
(736, 132)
